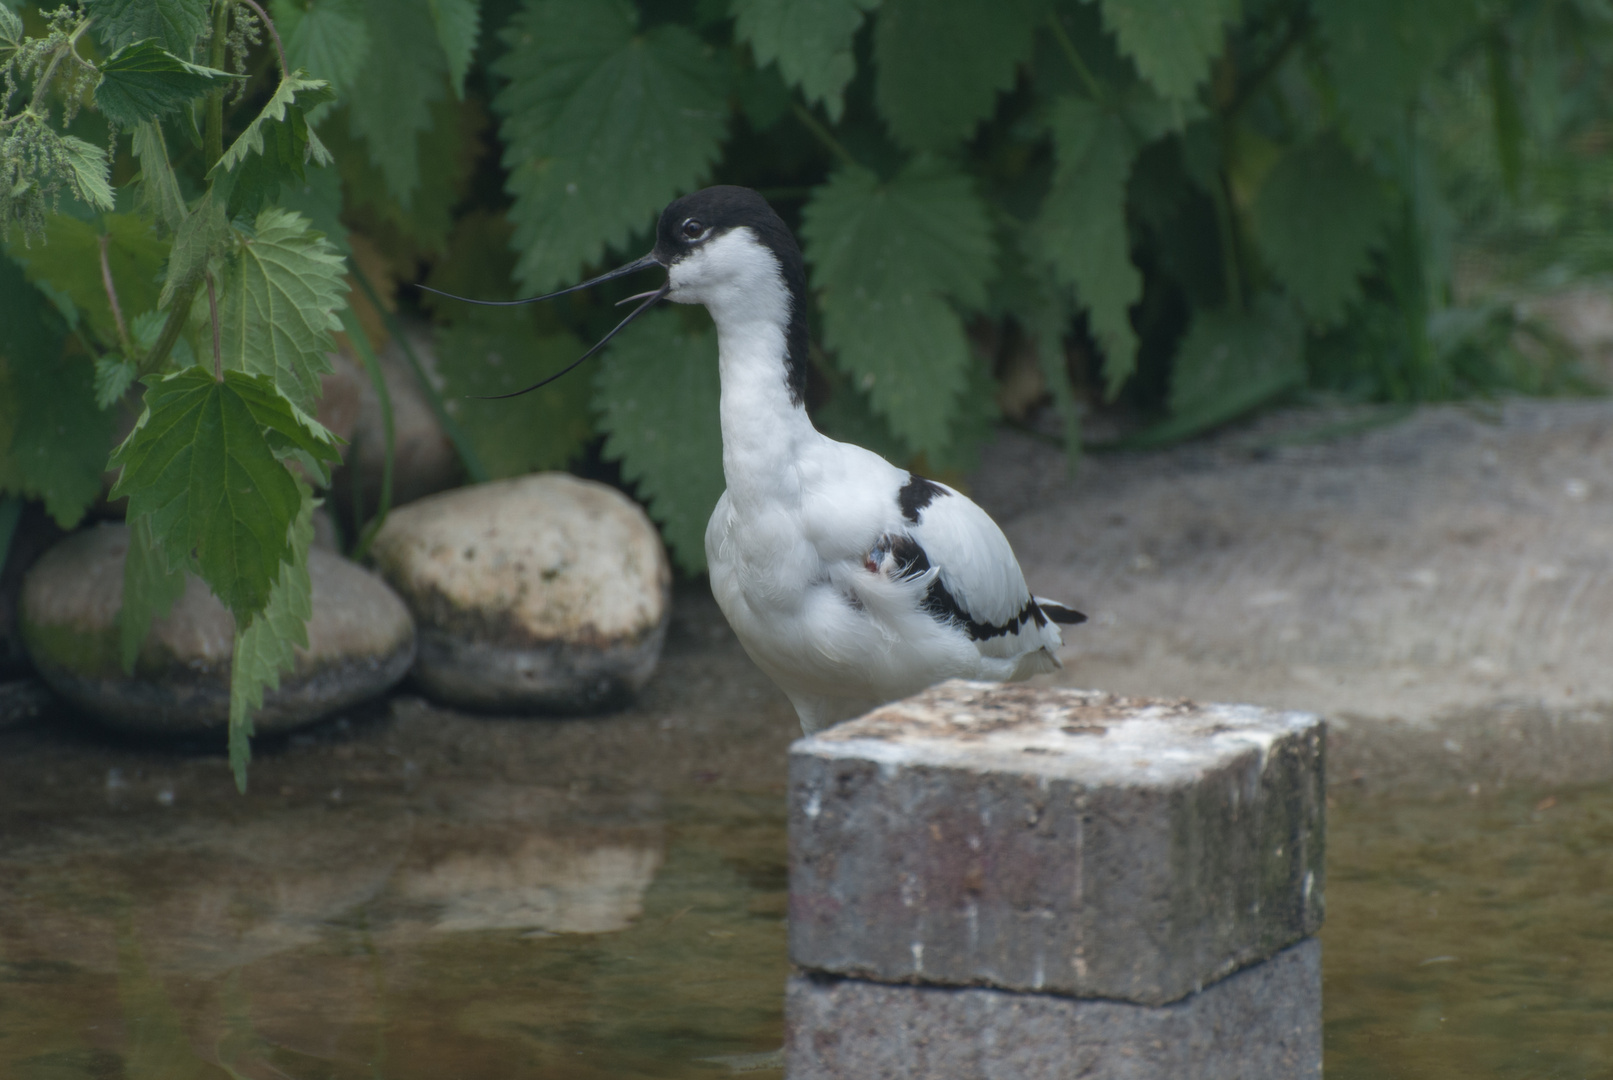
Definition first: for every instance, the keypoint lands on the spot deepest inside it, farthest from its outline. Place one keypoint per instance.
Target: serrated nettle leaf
(1318, 217)
(113, 377)
(328, 38)
(1082, 232)
(266, 646)
(499, 352)
(149, 590)
(203, 236)
(458, 22)
(11, 29)
(1232, 361)
(940, 64)
(278, 303)
(159, 188)
(390, 101)
(810, 40)
(885, 257)
(176, 23)
(296, 94)
(201, 463)
(69, 263)
(143, 81)
(1172, 42)
(656, 393)
(604, 125)
(92, 172)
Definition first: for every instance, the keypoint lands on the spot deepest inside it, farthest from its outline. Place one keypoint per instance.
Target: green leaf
(278, 304)
(1380, 52)
(113, 377)
(1231, 362)
(329, 38)
(149, 590)
(458, 23)
(69, 261)
(280, 134)
(810, 40)
(656, 393)
(1318, 216)
(499, 352)
(605, 124)
(886, 257)
(91, 180)
(203, 236)
(941, 63)
(53, 440)
(1082, 227)
(159, 189)
(390, 101)
(11, 28)
(175, 23)
(143, 81)
(204, 461)
(266, 646)
(1172, 41)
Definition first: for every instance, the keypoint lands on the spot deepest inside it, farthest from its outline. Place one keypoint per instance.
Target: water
(426, 895)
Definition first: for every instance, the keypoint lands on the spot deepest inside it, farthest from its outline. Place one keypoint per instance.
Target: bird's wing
(978, 583)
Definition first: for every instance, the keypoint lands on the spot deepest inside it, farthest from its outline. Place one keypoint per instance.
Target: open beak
(650, 300)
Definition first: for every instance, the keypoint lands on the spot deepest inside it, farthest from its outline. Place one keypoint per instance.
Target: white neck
(763, 431)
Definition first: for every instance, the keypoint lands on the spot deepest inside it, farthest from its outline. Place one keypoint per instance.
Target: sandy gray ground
(1439, 587)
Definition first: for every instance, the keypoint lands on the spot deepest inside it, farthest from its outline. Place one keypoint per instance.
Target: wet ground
(417, 893)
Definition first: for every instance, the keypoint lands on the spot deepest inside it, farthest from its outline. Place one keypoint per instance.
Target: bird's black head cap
(694, 219)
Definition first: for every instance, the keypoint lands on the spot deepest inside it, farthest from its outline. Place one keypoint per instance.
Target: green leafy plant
(1182, 212)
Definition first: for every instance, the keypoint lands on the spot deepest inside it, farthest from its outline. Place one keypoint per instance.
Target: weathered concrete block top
(1055, 840)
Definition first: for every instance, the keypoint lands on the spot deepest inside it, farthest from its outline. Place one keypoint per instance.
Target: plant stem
(213, 135)
(822, 134)
(69, 46)
(112, 298)
(178, 315)
(366, 533)
(285, 68)
(1084, 73)
(1226, 228)
(212, 311)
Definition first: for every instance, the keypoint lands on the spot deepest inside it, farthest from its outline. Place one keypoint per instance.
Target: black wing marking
(1061, 614)
(908, 560)
(916, 494)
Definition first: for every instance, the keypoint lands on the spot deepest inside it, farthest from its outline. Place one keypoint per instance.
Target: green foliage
(499, 352)
(886, 257)
(458, 23)
(264, 647)
(1172, 42)
(174, 23)
(331, 37)
(604, 124)
(150, 588)
(204, 461)
(942, 63)
(656, 393)
(810, 40)
(390, 101)
(144, 81)
(69, 263)
(1231, 362)
(278, 304)
(1318, 217)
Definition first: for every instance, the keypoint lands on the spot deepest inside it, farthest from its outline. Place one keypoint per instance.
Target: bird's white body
(849, 581)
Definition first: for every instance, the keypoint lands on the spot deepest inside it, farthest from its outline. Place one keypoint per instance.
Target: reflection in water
(479, 934)
(488, 931)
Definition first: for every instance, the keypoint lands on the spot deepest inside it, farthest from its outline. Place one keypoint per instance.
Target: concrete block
(1055, 840)
(1263, 1023)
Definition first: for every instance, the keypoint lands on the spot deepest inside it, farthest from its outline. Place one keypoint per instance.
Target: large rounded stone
(546, 593)
(360, 643)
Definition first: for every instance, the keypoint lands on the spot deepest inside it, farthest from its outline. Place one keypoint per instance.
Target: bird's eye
(692, 229)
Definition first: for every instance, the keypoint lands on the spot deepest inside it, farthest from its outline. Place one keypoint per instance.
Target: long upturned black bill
(610, 275)
(650, 300)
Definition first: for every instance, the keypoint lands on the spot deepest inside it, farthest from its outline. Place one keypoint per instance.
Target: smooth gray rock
(541, 594)
(360, 643)
(1055, 840)
(1263, 1023)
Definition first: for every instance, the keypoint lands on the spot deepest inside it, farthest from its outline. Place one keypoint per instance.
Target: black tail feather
(1059, 613)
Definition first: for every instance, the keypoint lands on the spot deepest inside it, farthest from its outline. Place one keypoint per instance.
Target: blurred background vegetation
(1111, 222)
